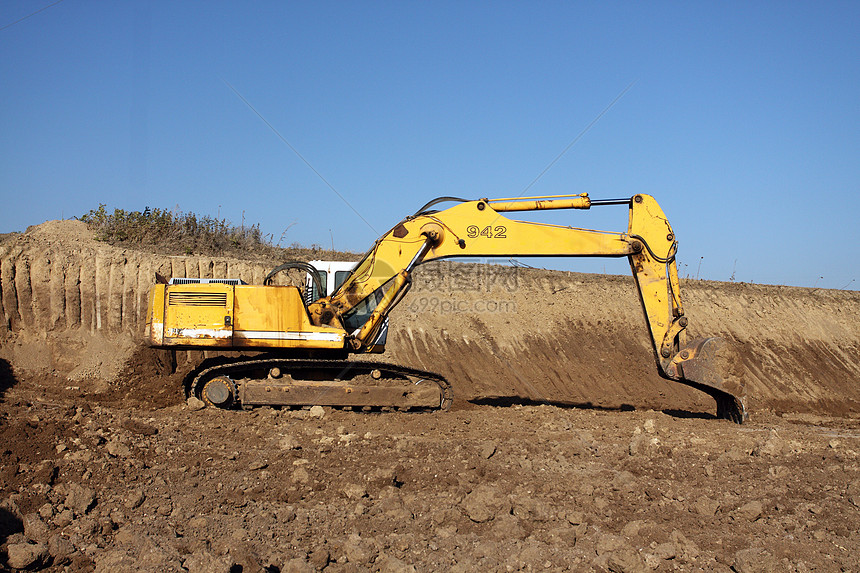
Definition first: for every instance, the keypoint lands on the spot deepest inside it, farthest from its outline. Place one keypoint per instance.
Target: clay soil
(563, 450)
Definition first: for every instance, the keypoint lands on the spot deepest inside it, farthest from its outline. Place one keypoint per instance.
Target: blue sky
(743, 118)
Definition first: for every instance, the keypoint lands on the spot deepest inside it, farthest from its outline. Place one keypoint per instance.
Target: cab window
(339, 277)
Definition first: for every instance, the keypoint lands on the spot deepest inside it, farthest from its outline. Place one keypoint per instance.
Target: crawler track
(307, 382)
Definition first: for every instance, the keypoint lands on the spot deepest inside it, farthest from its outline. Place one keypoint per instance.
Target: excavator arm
(480, 229)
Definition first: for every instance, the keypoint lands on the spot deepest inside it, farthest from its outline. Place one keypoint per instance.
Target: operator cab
(332, 274)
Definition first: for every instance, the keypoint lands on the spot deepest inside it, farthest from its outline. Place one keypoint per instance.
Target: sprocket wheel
(219, 391)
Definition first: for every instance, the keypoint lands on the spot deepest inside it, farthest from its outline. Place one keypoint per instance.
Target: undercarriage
(353, 384)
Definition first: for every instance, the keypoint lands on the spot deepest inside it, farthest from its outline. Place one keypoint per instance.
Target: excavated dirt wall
(72, 312)
(567, 337)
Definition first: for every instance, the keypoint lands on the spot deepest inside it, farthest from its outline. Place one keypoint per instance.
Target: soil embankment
(72, 312)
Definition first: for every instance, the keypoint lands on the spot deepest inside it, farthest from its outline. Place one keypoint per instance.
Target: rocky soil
(563, 450)
(521, 488)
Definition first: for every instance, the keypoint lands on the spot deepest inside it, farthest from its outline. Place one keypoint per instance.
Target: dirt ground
(516, 488)
(563, 450)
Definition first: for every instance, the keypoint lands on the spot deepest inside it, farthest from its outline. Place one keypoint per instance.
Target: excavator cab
(332, 274)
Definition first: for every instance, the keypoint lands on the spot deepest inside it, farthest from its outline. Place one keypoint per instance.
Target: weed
(174, 232)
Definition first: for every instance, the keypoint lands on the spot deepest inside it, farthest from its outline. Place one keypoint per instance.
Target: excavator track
(361, 384)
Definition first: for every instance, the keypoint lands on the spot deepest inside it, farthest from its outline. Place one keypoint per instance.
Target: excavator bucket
(709, 365)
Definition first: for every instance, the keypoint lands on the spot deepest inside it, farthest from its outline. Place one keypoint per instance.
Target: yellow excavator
(300, 346)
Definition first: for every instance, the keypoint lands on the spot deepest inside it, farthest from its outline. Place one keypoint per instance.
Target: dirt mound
(73, 309)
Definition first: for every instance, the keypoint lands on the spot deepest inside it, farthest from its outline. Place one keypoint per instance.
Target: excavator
(280, 348)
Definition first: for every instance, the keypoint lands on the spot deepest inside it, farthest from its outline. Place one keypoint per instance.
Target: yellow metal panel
(275, 317)
(198, 315)
(270, 308)
(155, 316)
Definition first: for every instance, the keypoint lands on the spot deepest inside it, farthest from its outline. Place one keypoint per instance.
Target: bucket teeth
(709, 365)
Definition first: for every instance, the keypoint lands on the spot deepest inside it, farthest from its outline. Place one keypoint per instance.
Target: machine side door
(198, 315)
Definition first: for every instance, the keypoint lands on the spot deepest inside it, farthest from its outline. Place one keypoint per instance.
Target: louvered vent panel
(185, 281)
(197, 299)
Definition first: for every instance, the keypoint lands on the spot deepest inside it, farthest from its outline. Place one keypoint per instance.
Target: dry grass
(178, 233)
